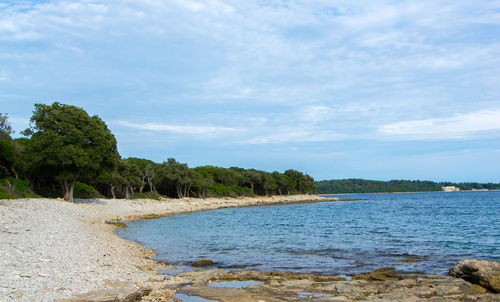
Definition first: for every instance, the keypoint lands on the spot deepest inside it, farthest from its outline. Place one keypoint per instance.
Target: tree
(146, 171)
(303, 182)
(68, 144)
(9, 149)
(5, 127)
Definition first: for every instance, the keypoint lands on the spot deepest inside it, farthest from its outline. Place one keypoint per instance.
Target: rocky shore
(54, 250)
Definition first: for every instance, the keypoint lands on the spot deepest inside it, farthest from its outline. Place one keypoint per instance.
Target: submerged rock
(482, 272)
(203, 263)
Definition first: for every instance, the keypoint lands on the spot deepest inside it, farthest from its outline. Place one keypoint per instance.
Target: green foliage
(16, 188)
(5, 127)
(9, 149)
(4, 194)
(242, 191)
(68, 144)
(85, 191)
(221, 190)
(148, 195)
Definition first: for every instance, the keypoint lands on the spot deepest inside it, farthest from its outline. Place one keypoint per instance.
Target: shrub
(85, 191)
(220, 190)
(5, 195)
(147, 195)
(243, 191)
(16, 188)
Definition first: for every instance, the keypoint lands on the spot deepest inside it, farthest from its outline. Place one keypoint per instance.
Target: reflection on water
(424, 232)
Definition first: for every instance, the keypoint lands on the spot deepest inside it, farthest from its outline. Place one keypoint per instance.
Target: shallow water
(234, 284)
(414, 232)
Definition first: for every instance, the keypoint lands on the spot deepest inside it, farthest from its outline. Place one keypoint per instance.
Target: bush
(243, 191)
(147, 195)
(223, 190)
(5, 195)
(85, 191)
(219, 190)
(16, 188)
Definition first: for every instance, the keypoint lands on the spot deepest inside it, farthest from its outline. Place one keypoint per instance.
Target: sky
(337, 89)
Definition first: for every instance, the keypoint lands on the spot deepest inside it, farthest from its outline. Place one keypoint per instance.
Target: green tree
(130, 177)
(5, 127)
(68, 144)
(146, 170)
(9, 149)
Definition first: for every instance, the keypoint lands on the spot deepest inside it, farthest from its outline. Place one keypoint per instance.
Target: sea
(412, 232)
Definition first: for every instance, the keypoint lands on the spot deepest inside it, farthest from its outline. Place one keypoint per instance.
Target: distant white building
(450, 189)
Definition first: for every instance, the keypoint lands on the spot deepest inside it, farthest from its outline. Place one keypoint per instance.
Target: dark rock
(117, 224)
(203, 263)
(411, 260)
(482, 272)
(381, 274)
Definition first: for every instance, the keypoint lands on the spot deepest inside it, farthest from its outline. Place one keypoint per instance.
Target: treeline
(373, 186)
(66, 152)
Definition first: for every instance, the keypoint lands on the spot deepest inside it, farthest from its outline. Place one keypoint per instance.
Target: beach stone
(482, 272)
(203, 263)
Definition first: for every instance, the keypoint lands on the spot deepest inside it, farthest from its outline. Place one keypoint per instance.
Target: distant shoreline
(419, 192)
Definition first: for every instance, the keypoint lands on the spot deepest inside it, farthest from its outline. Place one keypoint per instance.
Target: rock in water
(482, 272)
(203, 263)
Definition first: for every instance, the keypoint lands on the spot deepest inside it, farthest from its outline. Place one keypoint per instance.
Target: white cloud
(178, 129)
(459, 126)
(294, 135)
(316, 113)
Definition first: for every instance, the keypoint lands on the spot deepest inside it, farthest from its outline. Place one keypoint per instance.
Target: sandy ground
(53, 249)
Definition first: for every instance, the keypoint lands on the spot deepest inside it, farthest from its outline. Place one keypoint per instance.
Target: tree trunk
(179, 191)
(127, 192)
(150, 183)
(12, 189)
(16, 176)
(112, 189)
(68, 186)
(187, 188)
(251, 187)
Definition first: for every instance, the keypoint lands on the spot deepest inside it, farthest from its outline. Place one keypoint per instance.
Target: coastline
(54, 250)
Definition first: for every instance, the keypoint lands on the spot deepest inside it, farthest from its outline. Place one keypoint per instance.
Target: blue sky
(338, 89)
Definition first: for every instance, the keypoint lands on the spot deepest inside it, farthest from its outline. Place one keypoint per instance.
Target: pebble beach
(56, 250)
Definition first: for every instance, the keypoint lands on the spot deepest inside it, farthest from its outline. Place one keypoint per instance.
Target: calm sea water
(435, 229)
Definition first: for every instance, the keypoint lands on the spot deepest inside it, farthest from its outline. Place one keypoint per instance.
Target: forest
(67, 153)
(340, 186)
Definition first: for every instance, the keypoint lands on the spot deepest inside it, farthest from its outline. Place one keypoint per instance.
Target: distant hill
(338, 186)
